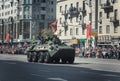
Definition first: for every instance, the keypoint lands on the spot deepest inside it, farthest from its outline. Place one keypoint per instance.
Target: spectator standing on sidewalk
(118, 54)
(1, 49)
(104, 53)
(97, 54)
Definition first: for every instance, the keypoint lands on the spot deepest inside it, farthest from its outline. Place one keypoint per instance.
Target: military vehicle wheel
(47, 58)
(71, 60)
(29, 57)
(57, 60)
(34, 57)
(64, 60)
(41, 58)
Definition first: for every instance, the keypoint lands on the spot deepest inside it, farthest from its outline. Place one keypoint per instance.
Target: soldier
(56, 40)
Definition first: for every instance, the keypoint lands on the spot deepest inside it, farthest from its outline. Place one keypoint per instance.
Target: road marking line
(57, 79)
(97, 63)
(37, 75)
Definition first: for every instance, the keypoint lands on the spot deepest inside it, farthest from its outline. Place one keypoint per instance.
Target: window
(2, 6)
(90, 2)
(77, 4)
(60, 20)
(34, 1)
(83, 31)
(80, 17)
(37, 16)
(42, 8)
(25, 16)
(77, 31)
(52, 2)
(28, 16)
(100, 14)
(108, 15)
(43, 17)
(71, 5)
(11, 11)
(71, 31)
(90, 17)
(107, 29)
(116, 13)
(100, 29)
(2, 14)
(52, 9)
(65, 7)
(43, 1)
(115, 29)
(115, 1)
(11, 4)
(25, 1)
(60, 8)
(29, 1)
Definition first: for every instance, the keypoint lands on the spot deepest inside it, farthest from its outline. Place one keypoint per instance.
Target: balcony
(64, 12)
(65, 24)
(82, 10)
(114, 19)
(74, 12)
(106, 6)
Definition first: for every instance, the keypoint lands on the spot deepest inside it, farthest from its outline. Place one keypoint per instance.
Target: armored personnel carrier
(51, 50)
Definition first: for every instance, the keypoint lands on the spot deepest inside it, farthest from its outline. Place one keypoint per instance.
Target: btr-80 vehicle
(51, 50)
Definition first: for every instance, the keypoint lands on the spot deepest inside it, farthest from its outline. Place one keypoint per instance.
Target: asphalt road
(16, 68)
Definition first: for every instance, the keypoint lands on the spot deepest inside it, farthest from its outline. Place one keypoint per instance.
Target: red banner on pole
(8, 37)
(88, 31)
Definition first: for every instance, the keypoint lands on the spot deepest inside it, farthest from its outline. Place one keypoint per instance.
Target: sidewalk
(97, 61)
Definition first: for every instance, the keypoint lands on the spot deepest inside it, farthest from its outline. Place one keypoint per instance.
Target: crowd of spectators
(99, 52)
(90, 52)
(13, 49)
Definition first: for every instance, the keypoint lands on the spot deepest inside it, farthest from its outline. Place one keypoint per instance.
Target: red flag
(88, 31)
(8, 37)
(54, 25)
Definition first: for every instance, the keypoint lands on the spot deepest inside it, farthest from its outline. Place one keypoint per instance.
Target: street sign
(74, 41)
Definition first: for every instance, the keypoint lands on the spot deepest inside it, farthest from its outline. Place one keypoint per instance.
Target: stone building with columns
(23, 19)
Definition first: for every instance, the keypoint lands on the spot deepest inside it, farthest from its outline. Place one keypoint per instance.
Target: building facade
(108, 22)
(23, 19)
(73, 16)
